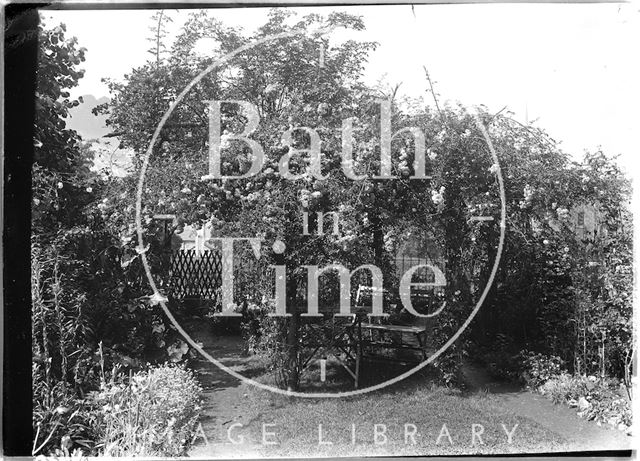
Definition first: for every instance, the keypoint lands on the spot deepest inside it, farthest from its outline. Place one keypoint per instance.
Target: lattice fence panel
(195, 276)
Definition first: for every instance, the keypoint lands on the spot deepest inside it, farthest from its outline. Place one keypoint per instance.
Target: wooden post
(293, 323)
(602, 367)
(293, 379)
(165, 218)
(358, 349)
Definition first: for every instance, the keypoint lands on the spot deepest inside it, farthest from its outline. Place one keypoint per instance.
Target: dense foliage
(563, 295)
(602, 400)
(540, 298)
(85, 290)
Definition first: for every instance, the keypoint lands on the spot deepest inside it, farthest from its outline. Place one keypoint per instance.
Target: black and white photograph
(320, 231)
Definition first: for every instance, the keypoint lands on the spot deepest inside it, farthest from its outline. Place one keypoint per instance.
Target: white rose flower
(436, 197)
(224, 141)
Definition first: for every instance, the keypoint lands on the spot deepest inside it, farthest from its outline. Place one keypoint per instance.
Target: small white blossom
(157, 298)
(224, 141)
(61, 410)
(436, 197)
(528, 192)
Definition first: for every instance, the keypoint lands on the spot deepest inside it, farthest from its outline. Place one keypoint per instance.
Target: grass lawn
(292, 424)
(412, 417)
(416, 416)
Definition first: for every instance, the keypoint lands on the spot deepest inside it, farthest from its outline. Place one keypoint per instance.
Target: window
(581, 218)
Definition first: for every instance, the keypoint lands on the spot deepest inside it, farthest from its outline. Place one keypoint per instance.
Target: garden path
(225, 398)
(558, 418)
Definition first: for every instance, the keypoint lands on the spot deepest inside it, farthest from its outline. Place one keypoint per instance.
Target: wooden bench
(375, 335)
(399, 337)
(351, 339)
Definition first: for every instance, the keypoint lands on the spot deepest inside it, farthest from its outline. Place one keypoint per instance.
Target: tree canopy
(290, 88)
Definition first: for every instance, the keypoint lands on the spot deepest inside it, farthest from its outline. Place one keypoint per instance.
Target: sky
(572, 69)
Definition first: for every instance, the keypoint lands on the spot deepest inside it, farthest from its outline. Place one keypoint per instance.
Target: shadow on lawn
(372, 372)
(230, 350)
(477, 379)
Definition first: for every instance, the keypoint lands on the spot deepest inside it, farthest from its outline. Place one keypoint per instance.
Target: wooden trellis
(195, 276)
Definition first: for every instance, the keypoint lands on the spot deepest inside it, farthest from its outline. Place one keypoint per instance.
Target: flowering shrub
(596, 399)
(538, 368)
(610, 409)
(565, 387)
(152, 414)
